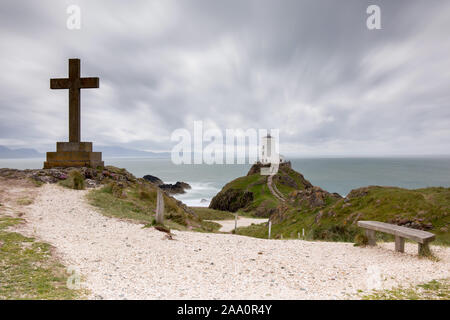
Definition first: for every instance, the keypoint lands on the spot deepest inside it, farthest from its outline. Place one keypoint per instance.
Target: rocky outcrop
(256, 168)
(231, 200)
(414, 222)
(93, 177)
(265, 210)
(177, 188)
(311, 197)
(153, 179)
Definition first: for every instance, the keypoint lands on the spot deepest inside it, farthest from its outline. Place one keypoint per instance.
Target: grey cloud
(310, 68)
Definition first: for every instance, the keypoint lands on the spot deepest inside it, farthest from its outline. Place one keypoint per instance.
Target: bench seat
(400, 233)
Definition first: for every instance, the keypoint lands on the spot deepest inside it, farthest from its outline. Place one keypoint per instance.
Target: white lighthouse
(269, 150)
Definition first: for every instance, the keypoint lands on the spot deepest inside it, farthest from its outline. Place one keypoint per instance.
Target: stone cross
(74, 83)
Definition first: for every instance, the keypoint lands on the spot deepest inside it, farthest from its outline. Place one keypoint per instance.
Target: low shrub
(361, 240)
(75, 180)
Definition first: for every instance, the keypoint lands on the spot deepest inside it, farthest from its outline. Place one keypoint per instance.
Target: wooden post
(298, 235)
(399, 244)
(235, 223)
(159, 216)
(270, 227)
(371, 237)
(303, 233)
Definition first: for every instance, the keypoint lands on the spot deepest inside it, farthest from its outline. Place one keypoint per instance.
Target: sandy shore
(121, 260)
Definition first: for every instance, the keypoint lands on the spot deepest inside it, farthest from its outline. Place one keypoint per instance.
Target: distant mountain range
(111, 152)
(6, 153)
(108, 152)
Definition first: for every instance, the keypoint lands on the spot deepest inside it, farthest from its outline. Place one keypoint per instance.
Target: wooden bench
(400, 233)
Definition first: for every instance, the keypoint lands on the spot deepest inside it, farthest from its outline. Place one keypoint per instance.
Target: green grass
(24, 201)
(433, 290)
(212, 214)
(208, 226)
(286, 181)
(120, 208)
(138, 203)
(257, 185)
(75, 180)
(27, 268)
(338, 218)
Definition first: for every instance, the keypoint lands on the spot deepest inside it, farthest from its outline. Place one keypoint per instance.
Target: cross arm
(59, 83)
(89, 82)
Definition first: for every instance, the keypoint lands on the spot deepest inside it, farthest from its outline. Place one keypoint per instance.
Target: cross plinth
(74, 153)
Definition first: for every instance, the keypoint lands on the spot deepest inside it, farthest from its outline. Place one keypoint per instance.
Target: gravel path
(273, 189)
(121, 260)
(228, 225)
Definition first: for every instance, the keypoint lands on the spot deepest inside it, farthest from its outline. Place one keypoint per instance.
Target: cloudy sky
(312, 69)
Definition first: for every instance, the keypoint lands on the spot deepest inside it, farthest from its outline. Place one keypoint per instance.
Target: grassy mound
(211, 214)
(250, 194)
(137, 201)
(426, 209)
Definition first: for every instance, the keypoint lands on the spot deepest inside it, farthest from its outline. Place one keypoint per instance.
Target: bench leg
(424, 249)
(399, 244)
(370, 234)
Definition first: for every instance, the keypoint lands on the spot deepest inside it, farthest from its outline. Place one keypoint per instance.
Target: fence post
(270, 227)
(159, 217)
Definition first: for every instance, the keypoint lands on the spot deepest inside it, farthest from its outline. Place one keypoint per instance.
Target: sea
(339, 175)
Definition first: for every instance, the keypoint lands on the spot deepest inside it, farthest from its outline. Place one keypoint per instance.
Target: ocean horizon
(339, 175)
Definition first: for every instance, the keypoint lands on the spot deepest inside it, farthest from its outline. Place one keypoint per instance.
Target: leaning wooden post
(159, 217)
(270, 227)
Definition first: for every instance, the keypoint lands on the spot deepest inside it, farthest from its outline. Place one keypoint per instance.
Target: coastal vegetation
(432, 290)
(212, 214)
(27, 268)
(75, 180)
(135, 199)
(308, 212)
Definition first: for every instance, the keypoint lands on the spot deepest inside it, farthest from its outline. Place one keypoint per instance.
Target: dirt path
(273, 189)
(228, 225)
(121, 260)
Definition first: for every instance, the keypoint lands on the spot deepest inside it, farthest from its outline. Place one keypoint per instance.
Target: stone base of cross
(74, 153)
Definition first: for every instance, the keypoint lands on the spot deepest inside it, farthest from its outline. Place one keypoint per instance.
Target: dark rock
(313, 197)
(287, 180)
(153, 179)
(178, 187)
(264, 210)
(231, 200)
(358, 193)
